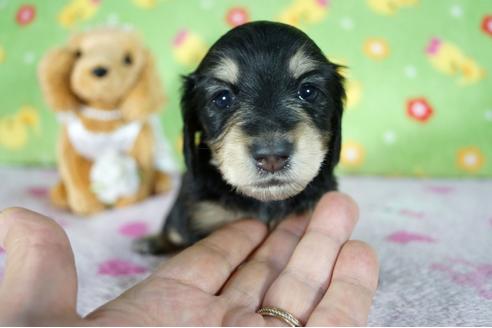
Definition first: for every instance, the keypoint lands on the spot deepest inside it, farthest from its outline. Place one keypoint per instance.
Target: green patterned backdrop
(419, 77)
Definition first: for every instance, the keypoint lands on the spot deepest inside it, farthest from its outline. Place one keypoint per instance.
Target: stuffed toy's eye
(128, 59)
(223, 99)
(307, 92)
(77, 53)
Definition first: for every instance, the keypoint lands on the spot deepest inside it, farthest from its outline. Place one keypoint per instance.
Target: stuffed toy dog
(105, 89)
(262, 133)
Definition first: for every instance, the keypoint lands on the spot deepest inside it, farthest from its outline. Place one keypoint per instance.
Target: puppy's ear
(54, 73)
(146, 96)
(191, 125)
(337, 92)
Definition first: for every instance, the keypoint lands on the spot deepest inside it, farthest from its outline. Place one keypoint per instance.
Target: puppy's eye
(128, 60)
(77, 53)
(308, 92)
(223, 99)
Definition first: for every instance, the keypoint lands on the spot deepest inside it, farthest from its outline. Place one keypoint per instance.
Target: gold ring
(285, 316)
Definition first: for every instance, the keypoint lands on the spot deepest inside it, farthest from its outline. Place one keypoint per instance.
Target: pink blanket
(434, 239)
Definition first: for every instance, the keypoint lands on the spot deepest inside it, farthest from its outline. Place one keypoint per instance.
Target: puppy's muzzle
(271, 156)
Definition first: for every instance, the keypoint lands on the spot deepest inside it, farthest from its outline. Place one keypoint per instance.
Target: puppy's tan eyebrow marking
(226, 70)
(300, 63)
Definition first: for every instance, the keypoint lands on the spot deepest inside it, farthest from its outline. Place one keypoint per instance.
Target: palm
(305, 267)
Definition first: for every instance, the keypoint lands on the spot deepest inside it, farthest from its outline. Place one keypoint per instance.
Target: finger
(209, 263)
(305, 279)
(248, 285)
(40, 272)
(349, 297)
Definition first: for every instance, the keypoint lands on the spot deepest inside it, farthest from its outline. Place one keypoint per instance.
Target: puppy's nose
(273, 156)
(99, 71)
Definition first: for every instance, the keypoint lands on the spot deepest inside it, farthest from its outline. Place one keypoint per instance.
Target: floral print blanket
(433, 237)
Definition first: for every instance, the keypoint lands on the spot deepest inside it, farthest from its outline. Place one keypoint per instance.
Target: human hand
(306, 266)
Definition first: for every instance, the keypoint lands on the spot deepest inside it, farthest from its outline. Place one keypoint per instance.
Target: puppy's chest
(208, 215)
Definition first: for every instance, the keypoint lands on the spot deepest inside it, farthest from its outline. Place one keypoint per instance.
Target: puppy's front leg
(176, 233)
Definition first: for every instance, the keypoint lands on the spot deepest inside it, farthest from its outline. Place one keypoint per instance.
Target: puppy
(262, 131)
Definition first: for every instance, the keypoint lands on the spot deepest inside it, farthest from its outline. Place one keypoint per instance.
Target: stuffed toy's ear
(191, 124)
(146, 96)
(54, 73)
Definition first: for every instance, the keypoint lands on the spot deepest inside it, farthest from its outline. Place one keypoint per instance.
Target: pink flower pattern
(37, 191)
(467, 274)
(134, 229)
(118, 267)
(405, 237)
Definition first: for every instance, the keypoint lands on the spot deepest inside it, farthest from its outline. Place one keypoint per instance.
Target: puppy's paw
(155, 245)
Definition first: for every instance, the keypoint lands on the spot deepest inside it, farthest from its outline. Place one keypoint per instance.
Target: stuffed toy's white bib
(114, 174)
(92, 145)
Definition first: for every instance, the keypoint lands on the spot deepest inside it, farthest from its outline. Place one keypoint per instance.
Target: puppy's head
(268, 105)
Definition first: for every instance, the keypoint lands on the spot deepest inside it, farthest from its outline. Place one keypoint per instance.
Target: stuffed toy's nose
(100, 71)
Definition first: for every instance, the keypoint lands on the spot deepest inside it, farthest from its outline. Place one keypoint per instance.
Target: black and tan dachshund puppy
(262, 131)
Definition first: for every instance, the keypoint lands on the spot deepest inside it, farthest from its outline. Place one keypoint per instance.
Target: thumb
(40, 278)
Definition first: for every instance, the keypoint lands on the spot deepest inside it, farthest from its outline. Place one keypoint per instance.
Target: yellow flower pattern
(352, 154)
(470, 159)
(188, 48)
(390, 7)
(376, 48)
(77, 11)
(304, 12)
(14, 129)
(2, 54)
